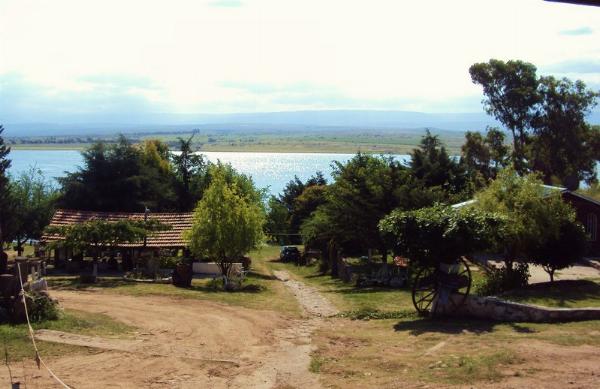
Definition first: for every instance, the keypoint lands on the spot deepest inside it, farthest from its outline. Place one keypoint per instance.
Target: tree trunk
(19, 247)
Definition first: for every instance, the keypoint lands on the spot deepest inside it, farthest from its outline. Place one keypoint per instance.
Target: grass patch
(366, 314)
(346, 296)
(17, 344)
(471, 369)
(261, 290)
(315, 364)
(563, 294)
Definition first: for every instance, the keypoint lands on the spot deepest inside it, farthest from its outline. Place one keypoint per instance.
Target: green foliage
(31, 206)
(440, 234)
(483, 157)
(228, 222)
(277, 219)
(431, 164)
(120, 177)
(365, 189)
(287, 212)
(168, 262)
(101, 234)
(546, 117)
(190, 168)
(535, 214)
(42, 308)
(4, 190)
(561, 148)
(561, 250)
(500, 280)
(374, 314)
(510, 90)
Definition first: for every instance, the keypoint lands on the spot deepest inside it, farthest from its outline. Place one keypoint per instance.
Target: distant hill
(306, 121)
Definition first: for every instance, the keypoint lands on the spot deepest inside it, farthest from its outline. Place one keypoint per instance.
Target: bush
(169, 262)
(500, 280)
(41, 307)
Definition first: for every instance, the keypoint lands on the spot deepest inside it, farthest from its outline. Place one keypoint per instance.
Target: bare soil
(181, 343)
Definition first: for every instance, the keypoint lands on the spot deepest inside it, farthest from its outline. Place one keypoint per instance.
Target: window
(591, 226)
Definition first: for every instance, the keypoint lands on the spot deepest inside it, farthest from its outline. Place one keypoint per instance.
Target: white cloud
(268, 55)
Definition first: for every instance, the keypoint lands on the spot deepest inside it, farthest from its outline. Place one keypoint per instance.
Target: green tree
(440, 234)
(227, 224)
(483, 156)
(32, 201)
(277, 224)
(365, 189)
(99, 235)
(535, 214)
(563, 248)
(511, 96)
(190, 168)
(4, 190)
(120, 177)
(562, 143)
(546, 117)
(431, 164)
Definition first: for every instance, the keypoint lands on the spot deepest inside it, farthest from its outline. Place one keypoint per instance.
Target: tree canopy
(364, 190)
(538, 217)
(440, 234)
(100, 234)
(431, 164)
(228, 222)
(4, 190)
(546, 117)
(31, 205)
(120, 177)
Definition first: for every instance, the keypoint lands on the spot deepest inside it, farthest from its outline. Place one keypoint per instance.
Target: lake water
(272, 170)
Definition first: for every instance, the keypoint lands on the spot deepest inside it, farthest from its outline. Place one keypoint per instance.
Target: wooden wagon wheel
(458, 285)
(425, 290)
(432, 283)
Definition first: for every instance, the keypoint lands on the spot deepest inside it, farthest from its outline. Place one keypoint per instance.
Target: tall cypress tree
(4, 189)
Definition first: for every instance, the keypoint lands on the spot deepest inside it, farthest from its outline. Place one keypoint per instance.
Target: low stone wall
(213, 268)
(493, 308)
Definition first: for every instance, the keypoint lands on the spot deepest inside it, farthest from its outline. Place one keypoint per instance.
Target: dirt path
(183, 343)
(309, 298)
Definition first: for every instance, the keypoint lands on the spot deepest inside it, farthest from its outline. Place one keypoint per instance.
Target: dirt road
(183, 343)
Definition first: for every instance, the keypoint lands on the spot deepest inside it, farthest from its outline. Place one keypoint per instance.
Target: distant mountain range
(294, 121)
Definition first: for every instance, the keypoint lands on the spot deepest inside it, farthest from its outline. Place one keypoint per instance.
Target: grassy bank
(16, 341)
(260, 291)
(392, 347)
(388, 142)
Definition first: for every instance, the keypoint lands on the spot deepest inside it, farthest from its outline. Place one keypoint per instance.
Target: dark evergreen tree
(4, 189)
(119, 177)
(190, 168)
(434, 168)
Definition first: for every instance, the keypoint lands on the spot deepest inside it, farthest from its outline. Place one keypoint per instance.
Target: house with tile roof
(172, 238)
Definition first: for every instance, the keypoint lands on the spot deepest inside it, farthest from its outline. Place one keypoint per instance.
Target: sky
(112, 58)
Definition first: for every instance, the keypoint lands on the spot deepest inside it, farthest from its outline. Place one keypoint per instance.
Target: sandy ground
(180, 344)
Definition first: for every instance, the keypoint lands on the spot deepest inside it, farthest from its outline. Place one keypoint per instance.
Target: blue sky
(105, 59)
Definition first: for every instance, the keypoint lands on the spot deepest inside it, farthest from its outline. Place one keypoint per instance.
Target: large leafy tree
(546, 117)
(31, 205)
(511, 96)
(365, 189)
(440, 234)
(484, 156)
(227, 223)
(562, 145)
(98, 235)
(537, 217)
(120, 177)
(296, 210)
